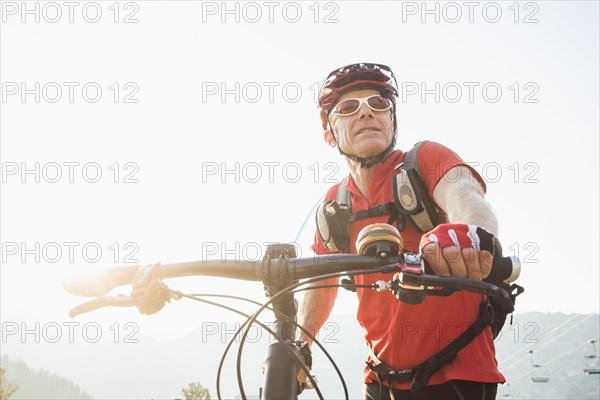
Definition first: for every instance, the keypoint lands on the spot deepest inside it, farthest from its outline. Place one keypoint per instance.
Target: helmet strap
(370, 161)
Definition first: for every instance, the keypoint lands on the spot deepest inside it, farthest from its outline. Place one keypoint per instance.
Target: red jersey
(403, 335)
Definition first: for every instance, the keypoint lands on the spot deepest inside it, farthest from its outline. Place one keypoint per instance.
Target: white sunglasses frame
(361, 101)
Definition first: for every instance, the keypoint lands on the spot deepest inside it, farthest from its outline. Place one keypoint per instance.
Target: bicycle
(280, 272)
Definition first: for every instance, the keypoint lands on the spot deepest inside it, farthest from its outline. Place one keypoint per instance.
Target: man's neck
(362, 176)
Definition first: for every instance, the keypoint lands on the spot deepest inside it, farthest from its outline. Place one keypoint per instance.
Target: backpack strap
(340, 223)
(504, 304)
(411, 196)
(344, 200)
(407, 184)
(411, 156)
(343, 194)
(421, 374)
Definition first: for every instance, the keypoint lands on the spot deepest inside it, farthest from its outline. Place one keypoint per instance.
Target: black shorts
(451, 390)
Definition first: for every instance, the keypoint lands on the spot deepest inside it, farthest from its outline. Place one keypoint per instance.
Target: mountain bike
(283, 275)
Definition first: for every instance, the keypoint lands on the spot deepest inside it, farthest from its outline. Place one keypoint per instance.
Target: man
(358, 104)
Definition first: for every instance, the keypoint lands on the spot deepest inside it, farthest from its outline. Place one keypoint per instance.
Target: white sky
(177, 130)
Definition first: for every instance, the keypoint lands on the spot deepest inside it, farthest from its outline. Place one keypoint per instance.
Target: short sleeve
(435, 160)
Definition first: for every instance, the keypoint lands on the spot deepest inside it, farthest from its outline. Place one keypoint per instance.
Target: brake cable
(195, 297)
(219, 371)
(302, 328)
(283, 292)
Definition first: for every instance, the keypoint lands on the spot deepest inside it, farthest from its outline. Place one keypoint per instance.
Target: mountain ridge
(154, 368)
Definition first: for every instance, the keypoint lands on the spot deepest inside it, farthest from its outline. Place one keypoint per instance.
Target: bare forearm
(315, 308)
(465, 204)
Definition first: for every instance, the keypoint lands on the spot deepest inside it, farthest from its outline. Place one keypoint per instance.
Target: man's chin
(372, 151)
(370, 154)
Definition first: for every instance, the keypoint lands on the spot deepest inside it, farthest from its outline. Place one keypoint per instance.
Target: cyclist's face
(365, 133)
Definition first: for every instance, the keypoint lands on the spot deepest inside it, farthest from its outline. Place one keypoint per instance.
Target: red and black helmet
(354, 77)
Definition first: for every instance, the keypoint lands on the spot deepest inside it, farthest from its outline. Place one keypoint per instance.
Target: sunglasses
(351, 106)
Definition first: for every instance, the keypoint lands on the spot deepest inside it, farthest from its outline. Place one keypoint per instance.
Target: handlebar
(504, 269)
(101, 282)
(277, 271)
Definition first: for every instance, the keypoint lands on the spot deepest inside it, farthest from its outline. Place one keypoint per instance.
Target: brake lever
(145, 304)
(100, 302)
(413, 285)
(149, 294)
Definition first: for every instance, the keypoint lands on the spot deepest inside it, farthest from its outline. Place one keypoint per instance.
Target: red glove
(454, 250)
